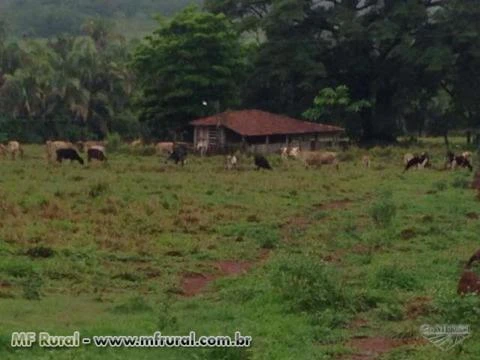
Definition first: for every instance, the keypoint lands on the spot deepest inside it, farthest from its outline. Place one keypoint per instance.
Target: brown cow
(317, 159)
(137, 143)
(164, 148)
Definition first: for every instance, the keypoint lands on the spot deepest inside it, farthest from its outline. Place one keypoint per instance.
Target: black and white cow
(420, 162)
(68, 154)
(461, 160)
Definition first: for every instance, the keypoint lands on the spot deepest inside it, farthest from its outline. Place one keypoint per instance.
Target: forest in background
(49, 18)
(380, 68)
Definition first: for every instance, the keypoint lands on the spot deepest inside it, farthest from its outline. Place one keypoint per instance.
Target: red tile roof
(261, 123)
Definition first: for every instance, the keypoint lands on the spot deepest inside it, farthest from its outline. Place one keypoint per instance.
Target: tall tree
(380, 49)
(192, 60)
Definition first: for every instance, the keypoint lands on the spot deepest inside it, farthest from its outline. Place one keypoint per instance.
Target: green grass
(103, 250)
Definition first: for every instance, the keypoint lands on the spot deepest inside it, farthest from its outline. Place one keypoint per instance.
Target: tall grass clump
(308, 284)
(391, 277)
(114, 142)
(31, 287)
(98, 189)
(383, 212)
(133, 305)
(454, 309)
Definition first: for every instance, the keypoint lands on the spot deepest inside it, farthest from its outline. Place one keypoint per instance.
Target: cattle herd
(58, 151)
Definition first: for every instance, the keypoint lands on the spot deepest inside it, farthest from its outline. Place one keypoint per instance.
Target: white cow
(202, 147)
(231, 162)
(14, 148)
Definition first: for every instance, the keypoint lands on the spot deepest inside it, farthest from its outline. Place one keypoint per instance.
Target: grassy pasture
(329, 260)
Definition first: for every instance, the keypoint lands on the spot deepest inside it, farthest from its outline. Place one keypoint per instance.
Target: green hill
(47, 18)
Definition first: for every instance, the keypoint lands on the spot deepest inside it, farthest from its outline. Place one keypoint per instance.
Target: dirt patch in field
(333, 205)
(297, 222)
(358, 323)
(338, 255)
(472, 216)
(194, 283)
(408, 234)
(234, 267)
(372, 348)
(418, 306)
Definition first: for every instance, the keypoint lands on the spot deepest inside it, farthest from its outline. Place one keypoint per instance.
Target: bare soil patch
(418, 306)
(472, 216)
(194, 283)
(372, 348)
(333, 205)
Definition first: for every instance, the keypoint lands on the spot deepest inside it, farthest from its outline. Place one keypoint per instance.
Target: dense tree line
(415, 62)
(47, 18)
(380, 68)
(71, 87)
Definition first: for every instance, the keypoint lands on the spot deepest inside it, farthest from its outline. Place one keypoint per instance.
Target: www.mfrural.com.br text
(157, 340)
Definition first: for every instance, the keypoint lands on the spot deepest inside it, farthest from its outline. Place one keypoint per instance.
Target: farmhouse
(260, 131)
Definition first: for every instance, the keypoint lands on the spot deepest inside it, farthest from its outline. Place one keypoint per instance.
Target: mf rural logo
(445, 337)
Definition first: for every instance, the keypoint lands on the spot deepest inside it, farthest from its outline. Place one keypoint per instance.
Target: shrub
(16, 269)
(393, 277)
(40, 252)
(31, 287)
(267, 236)
(458, 310)
(134, 305)
(114, 142)
(98, 189)
(384, 211)
(461, 183)
(390, 312)
(308, 284)
(440, 185)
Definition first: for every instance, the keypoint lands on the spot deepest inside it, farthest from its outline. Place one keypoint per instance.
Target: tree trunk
(445, 138)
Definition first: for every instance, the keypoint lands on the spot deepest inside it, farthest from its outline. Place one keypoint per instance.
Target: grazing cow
(96, 153)
(164, 148)
(292, 152)
(85, 145)
(261, 162)
(407, 157)
(420, 162)
(366, 161)
(178, 155)
(51, 148)
(14, 148)
(317, 159)
(231, 162)
(467, 155)
(68, 154)
(463, 161)
(3, 150)
(136, 143)
(202, 147)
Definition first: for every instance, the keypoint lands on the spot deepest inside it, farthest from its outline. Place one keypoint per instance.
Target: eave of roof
(261, 123)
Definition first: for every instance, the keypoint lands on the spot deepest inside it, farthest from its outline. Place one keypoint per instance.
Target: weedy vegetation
(304, 261)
